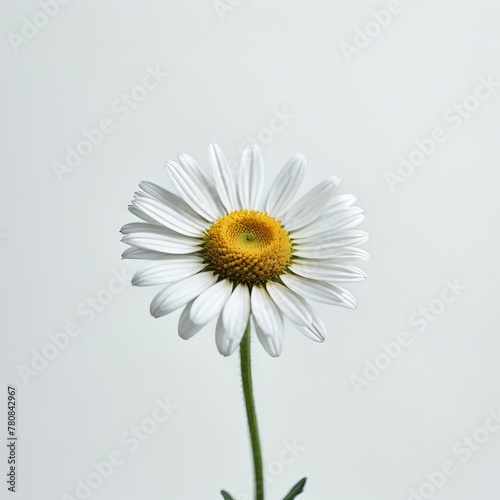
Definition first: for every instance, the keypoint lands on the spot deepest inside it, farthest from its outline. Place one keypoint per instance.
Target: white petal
(192, 190)
(139, 253)
(139, 227)
(171, 216)
(178, 294)
(152, 191)
(266, 341)
(146, 227)
(251, 177)
(170, 271)
(339, 255)
(340, 202)
(268, 321)
(311, 206)
(138, 213)
(159, 193)
(186, 328)
(322, 246)
(162, 242)
(210, 303)
(297, 310)
(190, 164)
(286, 185)
(348, 218)
(233, 321)
(327, 270)
(223, 178)
(320, 291)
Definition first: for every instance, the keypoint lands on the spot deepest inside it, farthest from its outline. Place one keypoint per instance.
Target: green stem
(246, 377)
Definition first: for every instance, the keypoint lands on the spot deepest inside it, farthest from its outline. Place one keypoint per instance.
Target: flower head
(224, 251)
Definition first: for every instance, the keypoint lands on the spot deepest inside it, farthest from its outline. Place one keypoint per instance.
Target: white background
(228, 73)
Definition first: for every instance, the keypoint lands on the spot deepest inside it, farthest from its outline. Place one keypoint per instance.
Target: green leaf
(296, 490)
(227, 496)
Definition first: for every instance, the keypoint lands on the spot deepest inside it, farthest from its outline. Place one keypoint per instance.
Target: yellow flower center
(247, 246)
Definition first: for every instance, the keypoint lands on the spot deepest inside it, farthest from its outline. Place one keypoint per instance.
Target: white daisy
(224, 251)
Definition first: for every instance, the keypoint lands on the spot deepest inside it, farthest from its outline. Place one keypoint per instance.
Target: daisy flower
(224, 250)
